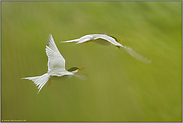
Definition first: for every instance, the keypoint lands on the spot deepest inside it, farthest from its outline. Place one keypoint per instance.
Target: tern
(56, 67)
(105, 39)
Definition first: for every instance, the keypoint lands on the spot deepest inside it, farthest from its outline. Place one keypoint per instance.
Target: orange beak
(80, 69)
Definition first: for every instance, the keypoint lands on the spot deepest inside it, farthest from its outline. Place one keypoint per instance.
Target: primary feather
(55, 59)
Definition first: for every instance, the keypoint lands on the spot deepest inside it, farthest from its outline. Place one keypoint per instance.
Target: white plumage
(56, 66)
(104, 39)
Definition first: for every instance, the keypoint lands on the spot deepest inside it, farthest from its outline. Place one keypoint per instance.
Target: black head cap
(72, 69)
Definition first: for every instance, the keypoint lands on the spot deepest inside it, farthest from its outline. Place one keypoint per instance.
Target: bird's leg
(120, 40)
(117, 47)
(49, 83)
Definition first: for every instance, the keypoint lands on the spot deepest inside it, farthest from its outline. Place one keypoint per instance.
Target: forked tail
(40, 81)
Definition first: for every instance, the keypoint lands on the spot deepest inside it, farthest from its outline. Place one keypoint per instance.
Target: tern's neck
(75, 71)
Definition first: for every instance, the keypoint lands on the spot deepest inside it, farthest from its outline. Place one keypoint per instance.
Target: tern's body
(104, 39)
(56, 66)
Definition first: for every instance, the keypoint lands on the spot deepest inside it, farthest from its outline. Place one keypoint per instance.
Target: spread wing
(83, 39)
(55, 59)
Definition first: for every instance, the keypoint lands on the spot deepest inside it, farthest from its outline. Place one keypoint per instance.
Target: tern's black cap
(72, 69)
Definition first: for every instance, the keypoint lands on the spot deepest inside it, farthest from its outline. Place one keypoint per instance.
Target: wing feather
(80, 40)
(55, 59)
(108, 38)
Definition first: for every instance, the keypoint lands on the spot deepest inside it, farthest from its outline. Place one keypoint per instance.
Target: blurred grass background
(119, 87)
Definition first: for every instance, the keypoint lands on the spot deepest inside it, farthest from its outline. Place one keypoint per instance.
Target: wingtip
(63, 42)
(48, 40)
(50, 35)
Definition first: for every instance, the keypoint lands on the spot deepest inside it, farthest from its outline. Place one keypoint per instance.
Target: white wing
(80, 40)
(55, 59)
(136, 55)
(75, 40)
(107, 38)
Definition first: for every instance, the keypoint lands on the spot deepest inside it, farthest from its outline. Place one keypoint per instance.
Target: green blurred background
(118, 87)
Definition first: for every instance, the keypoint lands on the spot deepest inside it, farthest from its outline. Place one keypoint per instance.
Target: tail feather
(40, 81)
